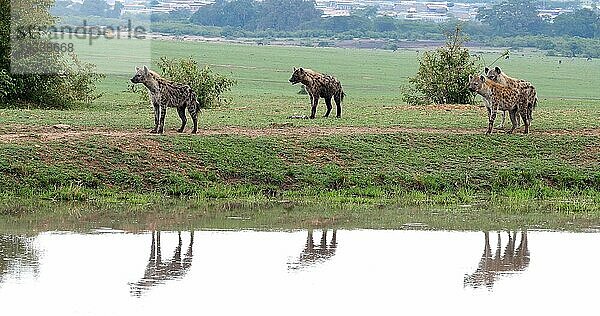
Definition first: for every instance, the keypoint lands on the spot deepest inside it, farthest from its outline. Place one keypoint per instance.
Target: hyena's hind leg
(193, 109)
(513, 113)
(525, 116)
(328, 103)
(338, 98)
(504, 119)
(181, 112)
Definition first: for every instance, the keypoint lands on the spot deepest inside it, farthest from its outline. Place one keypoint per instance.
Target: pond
(333, 272)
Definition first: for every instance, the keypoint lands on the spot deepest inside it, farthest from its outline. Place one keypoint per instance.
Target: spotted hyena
(497, 75)
(320, 86)
(499, 97)
(163, 94)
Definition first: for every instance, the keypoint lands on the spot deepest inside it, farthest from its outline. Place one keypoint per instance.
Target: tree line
(507, 18)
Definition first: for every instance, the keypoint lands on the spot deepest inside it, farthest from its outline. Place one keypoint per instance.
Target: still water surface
(342, 272)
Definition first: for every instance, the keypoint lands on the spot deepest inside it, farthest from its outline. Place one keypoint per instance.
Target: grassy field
(381, 152)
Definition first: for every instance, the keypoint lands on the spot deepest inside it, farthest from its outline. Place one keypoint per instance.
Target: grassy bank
(381, 152)
(425, 167)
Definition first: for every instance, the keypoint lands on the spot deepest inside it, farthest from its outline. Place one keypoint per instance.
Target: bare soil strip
(48, 133)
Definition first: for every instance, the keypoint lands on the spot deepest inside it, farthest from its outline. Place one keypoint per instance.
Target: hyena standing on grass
(320, 86)
(497, 75)
(498, 97)
(163, 94)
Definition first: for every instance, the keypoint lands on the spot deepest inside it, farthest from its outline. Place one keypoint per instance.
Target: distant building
(550, 14)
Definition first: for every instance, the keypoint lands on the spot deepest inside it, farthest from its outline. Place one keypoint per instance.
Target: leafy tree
(29, 75)
(94, 7)
(443, 74)
(582, 23)
(208, 85)
(512, 17)
(346, 23)
(369, 12)
(266, 15)
(116, 11)
(239, 13)
(286, 14)
(211, 15)
(384, 24)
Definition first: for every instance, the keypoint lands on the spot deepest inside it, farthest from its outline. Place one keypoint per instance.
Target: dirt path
(49, 133)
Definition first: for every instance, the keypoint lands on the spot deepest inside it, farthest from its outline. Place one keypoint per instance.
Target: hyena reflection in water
(491, 266)
(158, 271)
(312, 254)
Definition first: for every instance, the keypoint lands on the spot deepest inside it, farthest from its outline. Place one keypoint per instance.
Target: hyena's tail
(534, 102)
(197, 104)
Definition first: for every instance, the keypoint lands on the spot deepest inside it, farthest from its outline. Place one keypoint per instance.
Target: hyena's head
(298, 75)
(476, 82)
(493, 74)
(142, 75)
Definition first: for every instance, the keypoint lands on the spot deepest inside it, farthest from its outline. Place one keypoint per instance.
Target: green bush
(44, 79)
(443, 75)
(208, 85)
(7, 85)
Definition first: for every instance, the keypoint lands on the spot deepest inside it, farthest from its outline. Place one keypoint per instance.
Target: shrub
(208, 85)
(443, 74)
(7, 86)
(45, 79)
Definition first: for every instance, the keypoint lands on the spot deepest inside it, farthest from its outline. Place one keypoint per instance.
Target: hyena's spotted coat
(499, 97)
(320, 86)
(498, 76)
(163, 94)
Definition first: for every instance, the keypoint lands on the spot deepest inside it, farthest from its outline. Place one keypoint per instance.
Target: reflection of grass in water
(17, 254)
(399, 213)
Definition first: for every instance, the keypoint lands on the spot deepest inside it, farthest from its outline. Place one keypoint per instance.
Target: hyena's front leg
(328, 103)
(491, 119)
(181, 112)
(313, 110)
(156, 118)
(163, 113)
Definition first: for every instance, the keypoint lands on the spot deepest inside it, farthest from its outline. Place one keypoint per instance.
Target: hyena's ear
(295, 69)
(145, 70)
(482, 77)
(498, 70)
(137, 68)
(486, 70)
(301, 69)
(470, 77)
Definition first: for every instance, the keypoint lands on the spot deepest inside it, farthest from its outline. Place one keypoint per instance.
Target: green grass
(560, 173)
(371, 79)
(352, 168)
